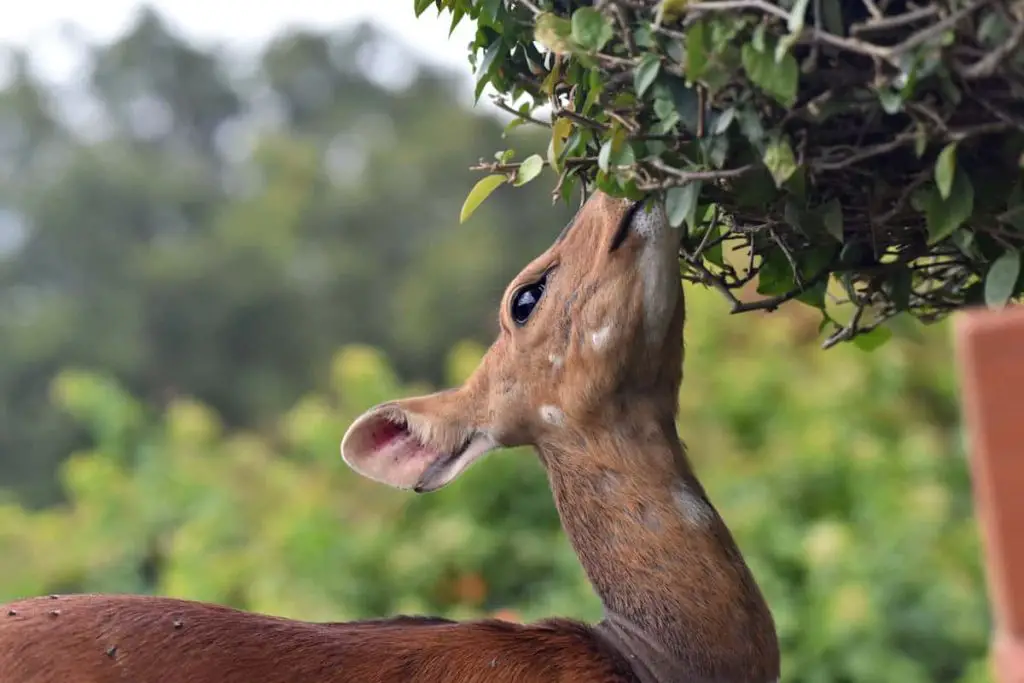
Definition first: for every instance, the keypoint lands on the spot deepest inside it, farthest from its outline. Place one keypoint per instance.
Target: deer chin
(384, 447)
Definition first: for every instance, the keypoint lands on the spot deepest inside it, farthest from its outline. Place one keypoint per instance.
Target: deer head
(592, 324)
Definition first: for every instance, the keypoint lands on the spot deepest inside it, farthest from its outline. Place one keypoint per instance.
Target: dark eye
(525, 299)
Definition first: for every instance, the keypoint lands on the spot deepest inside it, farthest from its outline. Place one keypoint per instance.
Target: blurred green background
(196, 303)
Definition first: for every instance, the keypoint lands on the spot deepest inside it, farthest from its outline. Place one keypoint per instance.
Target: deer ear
(392, 446)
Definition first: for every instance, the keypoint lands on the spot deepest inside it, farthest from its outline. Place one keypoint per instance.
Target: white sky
(245, 25)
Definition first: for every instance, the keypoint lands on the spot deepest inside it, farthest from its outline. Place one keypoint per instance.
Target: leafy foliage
(848, 495)
(864, 152)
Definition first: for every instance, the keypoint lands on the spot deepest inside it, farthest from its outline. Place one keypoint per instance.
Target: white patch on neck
(552, 415)
(600, 338)
(659, 270)
(609, 483)
(556, 361)
(695, 509)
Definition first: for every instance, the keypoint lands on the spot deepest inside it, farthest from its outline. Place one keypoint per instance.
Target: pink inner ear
(386, 450)
(395, 439)
(383, 432)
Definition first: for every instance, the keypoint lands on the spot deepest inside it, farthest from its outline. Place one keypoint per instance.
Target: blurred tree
(157, 88)
(223, 226)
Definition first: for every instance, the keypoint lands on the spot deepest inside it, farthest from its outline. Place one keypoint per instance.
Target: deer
(586, 368)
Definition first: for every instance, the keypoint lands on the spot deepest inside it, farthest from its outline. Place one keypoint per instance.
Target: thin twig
(690, 176)
(627, 33)
(734, 5)
(883, 23)
(984, 67)
(500, 103)
(882, 148)
(774, 302)
(530, 6)
(936, 29)
(580, 119)
(513, 166)
(872, 9)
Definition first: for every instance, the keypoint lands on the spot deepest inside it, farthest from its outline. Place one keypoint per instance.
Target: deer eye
(525, 299)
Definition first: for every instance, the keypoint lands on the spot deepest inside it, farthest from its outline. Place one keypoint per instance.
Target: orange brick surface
(990, 359)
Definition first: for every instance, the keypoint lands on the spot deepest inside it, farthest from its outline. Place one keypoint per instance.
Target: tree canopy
(862, 157)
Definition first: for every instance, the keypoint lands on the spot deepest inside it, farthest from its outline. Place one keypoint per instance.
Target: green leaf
(645, 74)
(900, 286)
(832, 217)
(945, 167)
(481, 191)
(681, 203)
(615, 152)
(778, 158)
(723, 120)
(869, 341)
(697, 50)
(529, 169)
(964, 241)
(945, 216)
(422, 5)
(757, 40)
(1014, 214)
(513, 124)
(891, 100)
(920, 140)
(457, 14)
(778, 79)
(594, 90)
(624, 155)
(775, 276)
(683, 99)
(590, 29)
(483, 71)
(751, 126)
(755, 189)
(488, 11)
(1001, 279)
(665, 110)
(672, 9)
(715, 149)
(560, 131)
(793, 215)
(554, 33)
(814, 296)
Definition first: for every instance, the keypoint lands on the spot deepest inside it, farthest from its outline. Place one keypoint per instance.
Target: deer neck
(680, 601)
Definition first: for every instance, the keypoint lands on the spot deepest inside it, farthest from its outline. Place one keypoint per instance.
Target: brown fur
(136, 639)
(591, 381)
